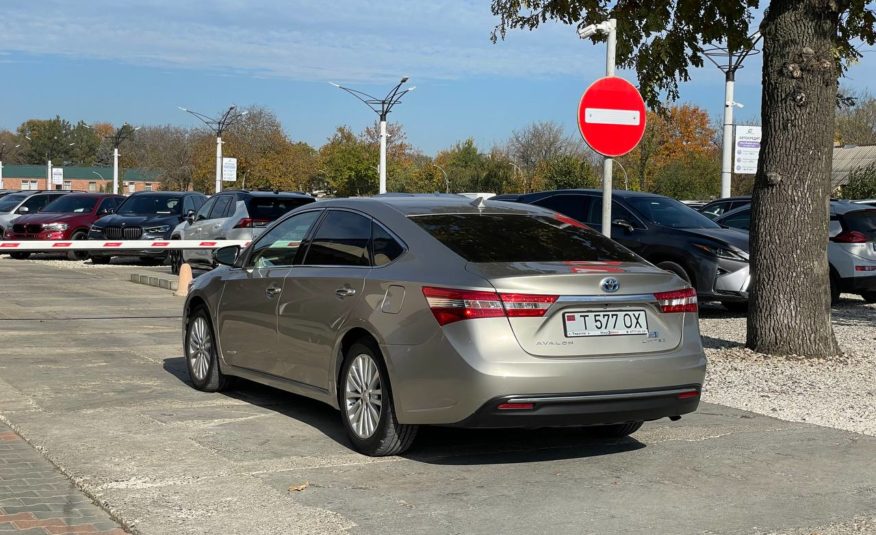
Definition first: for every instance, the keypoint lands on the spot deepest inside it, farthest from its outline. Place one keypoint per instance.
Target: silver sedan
(440, 310)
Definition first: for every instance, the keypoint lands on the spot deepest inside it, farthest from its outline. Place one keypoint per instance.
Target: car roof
(412, 205)
(166, 193)
(730, 199)
(836, 207)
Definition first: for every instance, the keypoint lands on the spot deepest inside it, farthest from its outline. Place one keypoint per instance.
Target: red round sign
(611, 116)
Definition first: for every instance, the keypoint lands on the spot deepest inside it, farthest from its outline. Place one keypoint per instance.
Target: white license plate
(605, 323)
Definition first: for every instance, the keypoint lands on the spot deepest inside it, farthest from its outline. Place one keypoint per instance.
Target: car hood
(116, 220)
(51, 217)
(729, 236)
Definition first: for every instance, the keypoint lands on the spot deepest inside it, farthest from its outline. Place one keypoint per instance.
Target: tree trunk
(790, 304)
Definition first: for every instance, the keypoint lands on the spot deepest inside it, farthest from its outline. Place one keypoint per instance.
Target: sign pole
(218, 164)
(115, 170)
(608, 166)
(49, 175)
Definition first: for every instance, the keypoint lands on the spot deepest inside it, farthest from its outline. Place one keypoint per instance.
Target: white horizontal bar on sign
(10, 246)
(609, 116)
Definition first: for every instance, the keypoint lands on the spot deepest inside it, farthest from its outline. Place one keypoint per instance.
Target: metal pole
(727, 144)
(115, 171)
(218, 164)
(1, 175)
(608, 168)
(383, 154)
(49, 175)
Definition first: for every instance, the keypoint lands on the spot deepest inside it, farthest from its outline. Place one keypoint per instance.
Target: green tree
(861, 184)
(47, 140)
(349, 164)
(86, 143)
(567, 171)
(805, 46)
(691, 176)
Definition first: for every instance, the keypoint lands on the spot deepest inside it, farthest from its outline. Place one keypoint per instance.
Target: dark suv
(145, 215)
(719, 207)
(666, 233)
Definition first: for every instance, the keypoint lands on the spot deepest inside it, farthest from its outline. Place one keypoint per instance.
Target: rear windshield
(521, 238)
(271, 208)
(151, 205)
(862, 221)
(71, 204)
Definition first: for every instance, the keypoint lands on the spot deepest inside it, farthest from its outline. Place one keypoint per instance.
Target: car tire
(364, 372)
(870, 296)
(677, 269)
(176, 262)
(78, 255)
(834, 289)
(735, 306)
(101, 260)
(151, 261)
(20, 256)
(201, 354)
(617, 430)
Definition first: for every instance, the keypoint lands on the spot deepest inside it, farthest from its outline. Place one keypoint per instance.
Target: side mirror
(190, 216)
(623, 223)
(226, 255)
(23, 210)
(105, 211)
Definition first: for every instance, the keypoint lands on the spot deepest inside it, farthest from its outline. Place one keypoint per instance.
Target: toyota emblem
(609, 285)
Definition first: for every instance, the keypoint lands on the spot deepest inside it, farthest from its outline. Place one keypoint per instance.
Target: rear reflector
(515, 406)
(688, 395)
(853, 236)
(677, 301)
(865, 268)
(449, 305)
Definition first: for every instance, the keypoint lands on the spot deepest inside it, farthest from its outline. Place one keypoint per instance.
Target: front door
(247, 318)
(319, 295)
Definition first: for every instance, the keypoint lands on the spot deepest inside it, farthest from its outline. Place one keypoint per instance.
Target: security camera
(587, 31)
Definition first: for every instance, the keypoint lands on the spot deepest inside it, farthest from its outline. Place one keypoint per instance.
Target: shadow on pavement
(433, 445)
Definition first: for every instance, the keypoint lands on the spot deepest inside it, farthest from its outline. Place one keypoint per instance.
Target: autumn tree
(805, 46)
(856, 121)
(348, 164)
(168, 151)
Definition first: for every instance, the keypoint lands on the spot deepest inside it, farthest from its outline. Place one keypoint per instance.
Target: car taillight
(677, 301)
(853, 236)
(449, 306)
(249, 222)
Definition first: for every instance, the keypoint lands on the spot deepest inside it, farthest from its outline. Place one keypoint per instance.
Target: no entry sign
(612, 116)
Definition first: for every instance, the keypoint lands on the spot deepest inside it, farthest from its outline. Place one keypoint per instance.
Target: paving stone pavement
(36, 498)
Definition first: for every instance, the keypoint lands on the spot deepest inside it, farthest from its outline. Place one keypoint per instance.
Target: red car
(66, 218)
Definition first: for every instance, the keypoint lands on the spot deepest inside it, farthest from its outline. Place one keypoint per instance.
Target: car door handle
(272, 292)
(345, 292)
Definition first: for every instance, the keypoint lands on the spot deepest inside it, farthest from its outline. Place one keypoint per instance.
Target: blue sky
(105, 60)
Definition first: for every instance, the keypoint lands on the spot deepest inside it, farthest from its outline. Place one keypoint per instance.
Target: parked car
(66, 218)
(718, 207)
(696, 205)
(232, 215)
(146, 215)
(870, 202)
(851, 251)
(665, 232)
(402, 311)
(24, 202)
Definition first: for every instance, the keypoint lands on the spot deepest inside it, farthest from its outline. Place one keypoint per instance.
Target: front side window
(11, 202)
(36, 203)
(279, 246)
(204, 211)
(220, 209)
(669, 213)
(341, 240)
(509, 238)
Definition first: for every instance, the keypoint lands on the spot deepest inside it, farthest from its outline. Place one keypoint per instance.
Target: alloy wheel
(200, 348)
(363, 396)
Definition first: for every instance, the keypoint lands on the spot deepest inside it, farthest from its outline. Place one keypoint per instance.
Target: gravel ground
(838, 392)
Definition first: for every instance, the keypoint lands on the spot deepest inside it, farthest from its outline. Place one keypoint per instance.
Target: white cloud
(350, 40)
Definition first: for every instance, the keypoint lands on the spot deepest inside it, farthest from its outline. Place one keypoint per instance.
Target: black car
(145, 216)
(719, 207)
(666, 233)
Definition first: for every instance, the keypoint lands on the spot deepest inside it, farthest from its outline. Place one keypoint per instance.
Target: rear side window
(271, 208)
(384, 247)
(861, 221)
(341, 240)
(520, 238)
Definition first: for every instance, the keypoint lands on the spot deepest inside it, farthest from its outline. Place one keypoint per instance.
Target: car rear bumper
(584, 409)
(856, 285)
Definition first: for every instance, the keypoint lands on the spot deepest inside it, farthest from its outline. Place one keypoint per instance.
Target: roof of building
(81, 173)
(847, 159)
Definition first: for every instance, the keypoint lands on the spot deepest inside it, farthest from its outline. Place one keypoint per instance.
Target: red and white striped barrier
(109, 245)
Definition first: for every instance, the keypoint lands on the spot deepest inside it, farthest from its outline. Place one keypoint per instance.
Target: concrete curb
(165, 282)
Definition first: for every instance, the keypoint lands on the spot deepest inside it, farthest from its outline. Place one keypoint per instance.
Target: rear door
(197, 230)
(319, 295)
(247, 312)
(215, 229)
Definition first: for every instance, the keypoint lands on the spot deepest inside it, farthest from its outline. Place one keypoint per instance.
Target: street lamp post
(734, 63)
(124, 132)
(381, 107)
(446, 180)
(218, 125)
(609, 28)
